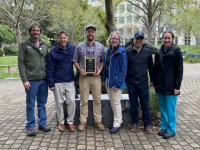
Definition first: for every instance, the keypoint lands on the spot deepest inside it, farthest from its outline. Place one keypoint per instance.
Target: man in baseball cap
(140, 63)
(139, 35)
(90, 26)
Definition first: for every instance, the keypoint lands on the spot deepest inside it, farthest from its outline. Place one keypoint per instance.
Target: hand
(97, 73)
(82, 72)
(27, 85)
(176, 92)
(114, 88)
(51, 88)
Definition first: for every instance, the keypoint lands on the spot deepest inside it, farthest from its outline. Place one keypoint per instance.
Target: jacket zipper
(109, 69)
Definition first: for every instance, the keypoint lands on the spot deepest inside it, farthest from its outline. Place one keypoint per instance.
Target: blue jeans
(139, 94)
(168, 113)
(39, 92)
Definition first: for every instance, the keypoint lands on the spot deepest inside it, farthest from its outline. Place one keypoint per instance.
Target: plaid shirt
(83, 50)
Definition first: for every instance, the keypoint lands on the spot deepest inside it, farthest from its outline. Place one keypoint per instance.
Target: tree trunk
(18, 34)
(149, 34)
(110, 25)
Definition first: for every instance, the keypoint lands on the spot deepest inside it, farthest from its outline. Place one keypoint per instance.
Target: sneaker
(45, 129)
(114, 129)
(134, 128)
(148, 130)
(61, 127)
(82, 126)
(99, 126)
(161, 132)
(71, 128)
(168, 135)
(31, 132)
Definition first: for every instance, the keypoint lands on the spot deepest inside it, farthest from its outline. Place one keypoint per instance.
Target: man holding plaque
(88, 59)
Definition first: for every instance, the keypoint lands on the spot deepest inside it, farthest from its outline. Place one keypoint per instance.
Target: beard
(90, 38)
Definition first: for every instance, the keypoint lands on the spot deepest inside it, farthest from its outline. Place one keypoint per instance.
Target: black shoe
(161, 132)
(45, 129)
(134, 128)
(148, 130)
(114, 129)
(31, 132)
(168, 135)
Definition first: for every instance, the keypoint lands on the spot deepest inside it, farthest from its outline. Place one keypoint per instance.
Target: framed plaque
(90, 65)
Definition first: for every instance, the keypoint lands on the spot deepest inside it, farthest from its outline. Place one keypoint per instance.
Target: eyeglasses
(114, 38)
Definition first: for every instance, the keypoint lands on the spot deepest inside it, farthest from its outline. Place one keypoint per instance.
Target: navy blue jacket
(116, 68)
(60, 65)
(168, 70)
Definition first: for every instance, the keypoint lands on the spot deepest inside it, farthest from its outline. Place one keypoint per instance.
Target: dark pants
(141, 91)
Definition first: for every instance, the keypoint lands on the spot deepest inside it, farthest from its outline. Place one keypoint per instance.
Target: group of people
(117, 66)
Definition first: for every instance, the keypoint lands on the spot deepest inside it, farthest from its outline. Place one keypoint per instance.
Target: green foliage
(11, 51)
(1, 52)
(46, 40)
(73, 16)
(7, 35)
(191, 60)
(154, 103)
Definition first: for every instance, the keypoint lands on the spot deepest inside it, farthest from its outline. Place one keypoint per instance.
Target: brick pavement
(13, 135)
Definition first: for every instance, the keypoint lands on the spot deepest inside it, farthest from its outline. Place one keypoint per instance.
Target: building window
(187, 39)
(129, 19)
(136, 19)
(121, 8)
(136, 8)
(121, 32)
(129, 7)
(121, 20)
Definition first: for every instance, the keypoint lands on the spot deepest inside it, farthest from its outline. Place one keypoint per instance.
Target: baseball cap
(139, 34)
(90, 26)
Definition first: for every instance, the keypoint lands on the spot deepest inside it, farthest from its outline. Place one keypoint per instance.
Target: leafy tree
(73, 16)
(19, 14)
(6, 35)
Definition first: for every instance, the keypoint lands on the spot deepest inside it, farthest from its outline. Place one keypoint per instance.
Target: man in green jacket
(32, 68)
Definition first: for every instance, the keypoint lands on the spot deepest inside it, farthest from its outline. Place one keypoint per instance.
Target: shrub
(11, 51)
(155, 109)
(1, 52)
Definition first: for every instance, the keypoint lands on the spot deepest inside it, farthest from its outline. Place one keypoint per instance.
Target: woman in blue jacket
(168, 77)
(115, 73)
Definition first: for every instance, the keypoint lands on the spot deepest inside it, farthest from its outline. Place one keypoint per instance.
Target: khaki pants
(115, 100)
(87, 84)
(65, 92)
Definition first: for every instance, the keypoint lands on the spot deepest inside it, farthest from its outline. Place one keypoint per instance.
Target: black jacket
(168, 70)
(139, 63)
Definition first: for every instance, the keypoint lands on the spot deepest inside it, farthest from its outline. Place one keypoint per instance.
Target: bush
(11, 51)
(1, 52)
(155, 109)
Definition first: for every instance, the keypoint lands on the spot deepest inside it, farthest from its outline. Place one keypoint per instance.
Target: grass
(8, 60)
(187, 49)
(190, 49)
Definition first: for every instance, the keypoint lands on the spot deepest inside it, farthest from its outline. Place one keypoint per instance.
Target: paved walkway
(13, 135)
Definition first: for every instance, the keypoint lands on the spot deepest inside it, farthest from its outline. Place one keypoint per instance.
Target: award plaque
(90, 65)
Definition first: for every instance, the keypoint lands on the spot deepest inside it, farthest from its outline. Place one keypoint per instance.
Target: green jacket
(32, 61)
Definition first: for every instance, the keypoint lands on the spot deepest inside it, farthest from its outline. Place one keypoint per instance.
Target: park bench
(107, 114)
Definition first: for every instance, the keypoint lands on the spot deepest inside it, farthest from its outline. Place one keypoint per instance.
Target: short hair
(59, 33)
(35, 24)
(170, 32)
